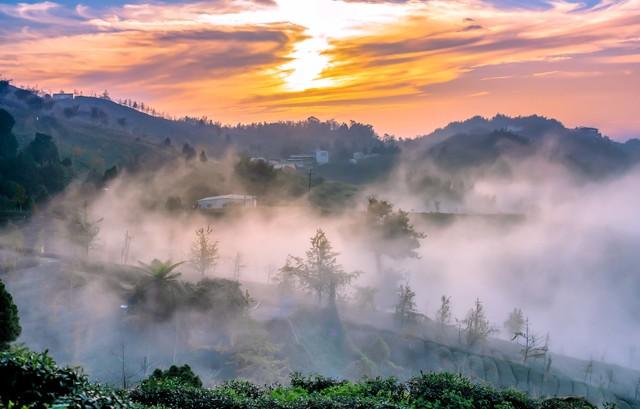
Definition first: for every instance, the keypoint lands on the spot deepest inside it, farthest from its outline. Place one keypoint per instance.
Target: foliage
(204, 250)
(405, 311)
(390, 232)
(9, 320)
(319, 272)
(32, 174)
(257, 176)
(476, 325)
(34, 380)
(443, 315)
(514, 323)
(425, 391)
(183, 373)
(255, 357)
(221, 298)
(83, 231)
(158, 291)
(8, 141)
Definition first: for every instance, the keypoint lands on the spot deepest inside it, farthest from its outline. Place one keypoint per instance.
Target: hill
(481, 143)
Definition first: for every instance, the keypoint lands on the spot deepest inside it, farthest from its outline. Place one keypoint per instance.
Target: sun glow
(324, 21)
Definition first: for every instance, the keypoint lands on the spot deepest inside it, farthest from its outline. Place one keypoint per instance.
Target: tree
(390, 233)
(204, 250)
(257, 176)
(531, 344)
(43, 150)
(514, 325)
(188, 152)
(8, 141)
(588, 371)
(476, 325)
(83, 232)
(406, 307)
(183, 374)
(319, 272)
(21, 198)
(159, 289)
(443, 315)
(9, 320)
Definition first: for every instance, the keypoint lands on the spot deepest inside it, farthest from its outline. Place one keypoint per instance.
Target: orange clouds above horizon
(404, 66)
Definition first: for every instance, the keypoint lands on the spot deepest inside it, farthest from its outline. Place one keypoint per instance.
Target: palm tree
(158, 291)
(161, 271)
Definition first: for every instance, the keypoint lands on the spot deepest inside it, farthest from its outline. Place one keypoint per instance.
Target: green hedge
(33, 380)
(426, 391)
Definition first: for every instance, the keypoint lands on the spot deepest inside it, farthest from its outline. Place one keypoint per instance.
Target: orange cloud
(387, 62)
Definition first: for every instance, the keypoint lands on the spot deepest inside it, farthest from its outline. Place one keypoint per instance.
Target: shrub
(9, 322)
(34, 380)
(183, 374)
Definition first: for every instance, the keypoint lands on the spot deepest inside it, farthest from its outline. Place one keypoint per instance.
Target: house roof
(230, 196)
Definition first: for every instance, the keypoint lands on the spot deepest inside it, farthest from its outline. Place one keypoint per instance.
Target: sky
(405, 66)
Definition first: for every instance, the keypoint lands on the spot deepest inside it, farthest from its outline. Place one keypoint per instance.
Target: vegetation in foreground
(33, 380)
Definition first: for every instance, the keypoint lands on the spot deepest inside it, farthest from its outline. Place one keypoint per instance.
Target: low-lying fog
(571, 262)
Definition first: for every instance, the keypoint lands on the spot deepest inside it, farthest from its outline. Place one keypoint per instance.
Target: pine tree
(9, 320)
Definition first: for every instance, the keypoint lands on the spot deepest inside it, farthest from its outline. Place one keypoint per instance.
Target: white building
(226, 201)
(61, 96)
(322, 157)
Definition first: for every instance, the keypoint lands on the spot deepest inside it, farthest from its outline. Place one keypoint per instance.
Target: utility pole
(310, 173)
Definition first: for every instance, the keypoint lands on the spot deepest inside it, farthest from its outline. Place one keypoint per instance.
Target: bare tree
(532, 346)
(204, 250)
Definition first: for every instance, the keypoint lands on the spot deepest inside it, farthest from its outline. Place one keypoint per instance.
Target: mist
(536, 238)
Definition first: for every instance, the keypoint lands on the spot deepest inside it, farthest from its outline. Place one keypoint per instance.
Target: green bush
(426, 391)
(34, 380)
(183, 374)
(9, 322)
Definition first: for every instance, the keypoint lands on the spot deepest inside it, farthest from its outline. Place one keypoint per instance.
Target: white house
(61, 96)
(226, 201)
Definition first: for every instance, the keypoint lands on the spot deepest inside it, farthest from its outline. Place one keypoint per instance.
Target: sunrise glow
(417, 64)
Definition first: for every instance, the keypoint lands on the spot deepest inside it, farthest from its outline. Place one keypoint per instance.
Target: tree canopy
(9, 321)
(319, 272)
